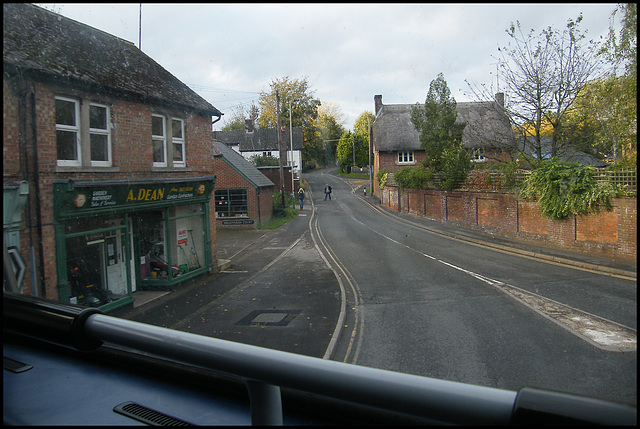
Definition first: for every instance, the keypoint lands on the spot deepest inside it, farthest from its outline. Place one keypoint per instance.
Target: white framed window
(478, 155)
(177, 139)
(68, 131)
(405, 158)
(159, 140)
(100, 135)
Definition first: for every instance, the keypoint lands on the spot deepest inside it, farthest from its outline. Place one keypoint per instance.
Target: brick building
(243, 195)
(108, 167)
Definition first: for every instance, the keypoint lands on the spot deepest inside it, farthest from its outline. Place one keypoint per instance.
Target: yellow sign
(146, 195)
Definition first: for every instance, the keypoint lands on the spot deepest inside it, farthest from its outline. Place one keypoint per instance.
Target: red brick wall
(273, 174)
(608, 234)
(131, 150)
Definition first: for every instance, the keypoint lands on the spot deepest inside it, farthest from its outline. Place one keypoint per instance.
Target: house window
(177, 131)
(99, 135)
(478, 155)
(159, 141)
(68, 131)
(405, 158)
(83, 133)
(231, 203)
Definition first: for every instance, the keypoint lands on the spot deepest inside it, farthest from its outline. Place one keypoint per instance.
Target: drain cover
(269, 318)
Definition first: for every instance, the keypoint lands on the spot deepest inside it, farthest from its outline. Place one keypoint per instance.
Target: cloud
(349, 52)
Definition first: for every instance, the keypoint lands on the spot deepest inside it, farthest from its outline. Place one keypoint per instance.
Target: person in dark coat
(301, 197)
(327, 192)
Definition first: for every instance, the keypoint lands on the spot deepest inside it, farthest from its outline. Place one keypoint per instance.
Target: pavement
(255, 300)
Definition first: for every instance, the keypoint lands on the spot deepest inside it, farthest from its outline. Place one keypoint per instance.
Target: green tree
(236, 121)
(361, 125)
(304, 113)
(440, 135)
(602, 118)
(345, 150)
(330, 127)
(622, 51)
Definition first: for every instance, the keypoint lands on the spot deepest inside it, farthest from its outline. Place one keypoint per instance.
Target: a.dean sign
(73, 198)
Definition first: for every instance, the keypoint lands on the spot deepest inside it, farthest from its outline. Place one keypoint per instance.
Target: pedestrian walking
(327, 192)
(301, 197)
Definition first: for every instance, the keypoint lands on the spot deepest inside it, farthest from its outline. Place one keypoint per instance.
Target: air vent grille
(147, 415)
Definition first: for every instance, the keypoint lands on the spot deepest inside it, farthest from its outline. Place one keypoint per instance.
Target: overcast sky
(348, 53)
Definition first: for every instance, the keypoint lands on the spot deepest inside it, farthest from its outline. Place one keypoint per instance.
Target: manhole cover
(269, 318)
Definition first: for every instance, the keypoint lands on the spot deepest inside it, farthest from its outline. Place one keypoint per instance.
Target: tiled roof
(46, 45)
(485, 127)
(241, 165)
(261, 139)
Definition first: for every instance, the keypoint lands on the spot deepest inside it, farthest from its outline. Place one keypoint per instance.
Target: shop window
(186, 224)
(152, 245)
(96, 261)
(171, 247)
(231, 203)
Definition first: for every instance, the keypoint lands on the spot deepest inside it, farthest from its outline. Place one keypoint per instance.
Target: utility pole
(370, 146)
(293, 186)
(140, 29)
(281, 149)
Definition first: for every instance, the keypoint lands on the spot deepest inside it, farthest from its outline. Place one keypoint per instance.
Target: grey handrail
(414, 395)
(264, 371)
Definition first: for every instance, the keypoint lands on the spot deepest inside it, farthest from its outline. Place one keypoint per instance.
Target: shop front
(118, 236)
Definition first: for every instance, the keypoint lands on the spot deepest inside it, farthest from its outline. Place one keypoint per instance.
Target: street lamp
(293, 188)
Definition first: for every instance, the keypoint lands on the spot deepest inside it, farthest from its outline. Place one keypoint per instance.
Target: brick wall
(607, 234)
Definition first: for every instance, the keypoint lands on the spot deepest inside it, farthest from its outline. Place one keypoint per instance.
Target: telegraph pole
(281, 149)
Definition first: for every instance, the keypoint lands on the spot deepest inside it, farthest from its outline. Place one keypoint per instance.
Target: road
(421, 303)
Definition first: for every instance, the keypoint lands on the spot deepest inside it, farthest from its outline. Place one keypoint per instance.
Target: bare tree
(541, 75)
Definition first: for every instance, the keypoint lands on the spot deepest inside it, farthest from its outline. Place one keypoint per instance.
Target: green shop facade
(117, 236)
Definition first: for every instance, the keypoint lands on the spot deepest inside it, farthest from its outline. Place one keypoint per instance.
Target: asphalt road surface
(421, 303)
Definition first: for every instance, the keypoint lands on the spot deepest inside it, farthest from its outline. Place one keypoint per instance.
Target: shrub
(381, 177)
(413, 177)
(564, 189)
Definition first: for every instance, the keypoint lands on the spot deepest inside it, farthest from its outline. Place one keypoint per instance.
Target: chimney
(248, 125)
(500, 99)
(377, 100)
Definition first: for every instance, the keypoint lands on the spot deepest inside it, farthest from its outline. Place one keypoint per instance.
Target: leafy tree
(440, 135)
(361, 125)
(236, 122)
(330, 127)
(543, 75)
(602, 119)
(345, 150)
(622, 50)
(304, 113)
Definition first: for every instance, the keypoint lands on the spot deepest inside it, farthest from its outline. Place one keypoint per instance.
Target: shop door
(116, 268)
